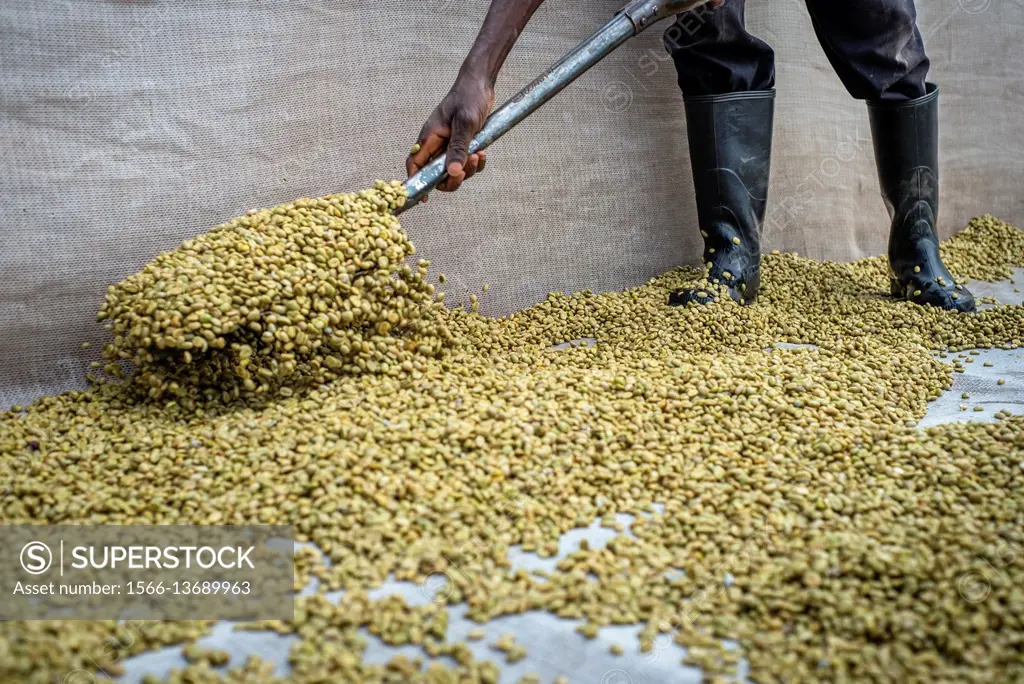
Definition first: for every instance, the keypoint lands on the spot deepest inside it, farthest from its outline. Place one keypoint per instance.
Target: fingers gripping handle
(528, 100)
(628, 22)
(429, 177)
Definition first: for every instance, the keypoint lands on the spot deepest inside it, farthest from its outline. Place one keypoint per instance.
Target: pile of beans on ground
(800, 512)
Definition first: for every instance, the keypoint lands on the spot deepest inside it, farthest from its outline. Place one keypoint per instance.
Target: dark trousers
(874, 46)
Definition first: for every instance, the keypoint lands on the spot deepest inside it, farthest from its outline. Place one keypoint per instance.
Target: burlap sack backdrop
(129, 126)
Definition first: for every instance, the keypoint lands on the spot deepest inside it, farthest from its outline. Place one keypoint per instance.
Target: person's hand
(449, 130)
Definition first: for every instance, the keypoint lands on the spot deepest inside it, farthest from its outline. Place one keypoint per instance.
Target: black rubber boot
(730, 153)
(906, 141)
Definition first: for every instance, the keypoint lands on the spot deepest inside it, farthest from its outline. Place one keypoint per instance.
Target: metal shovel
(630, 21)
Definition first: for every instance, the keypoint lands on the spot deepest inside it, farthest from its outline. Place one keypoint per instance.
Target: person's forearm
(505, 20)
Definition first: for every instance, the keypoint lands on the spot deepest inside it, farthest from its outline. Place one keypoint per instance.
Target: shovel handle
(630, 21)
